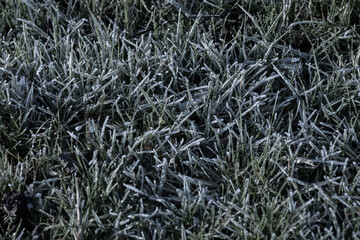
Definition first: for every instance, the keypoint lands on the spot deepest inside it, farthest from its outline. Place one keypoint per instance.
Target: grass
(182, 119)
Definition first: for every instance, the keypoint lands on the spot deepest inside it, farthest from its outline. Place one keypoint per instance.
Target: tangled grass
(180, 119)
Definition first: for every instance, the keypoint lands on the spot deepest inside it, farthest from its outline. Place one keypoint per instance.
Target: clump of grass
(193, 120)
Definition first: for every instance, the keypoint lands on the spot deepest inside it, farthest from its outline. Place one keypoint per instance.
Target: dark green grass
(187, 119)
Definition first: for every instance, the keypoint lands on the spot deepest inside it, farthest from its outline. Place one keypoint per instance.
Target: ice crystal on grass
(180, 119)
